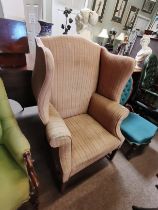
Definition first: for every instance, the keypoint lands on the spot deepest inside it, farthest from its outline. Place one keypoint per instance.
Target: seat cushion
(138, 130)
(14, 184)
(90, 141)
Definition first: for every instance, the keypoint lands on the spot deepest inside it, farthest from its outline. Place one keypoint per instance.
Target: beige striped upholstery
(57, 132)
(108, 113)
(72, 76)
(77, 85)
(90, 141)
(59, 135)
(113, 75)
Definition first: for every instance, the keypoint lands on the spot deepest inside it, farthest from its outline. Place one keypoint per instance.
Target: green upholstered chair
(137, 130)
(17, 176)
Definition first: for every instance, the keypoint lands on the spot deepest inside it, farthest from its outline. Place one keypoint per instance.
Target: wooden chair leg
(34, 200)
(112, 155)
(63, 187)
(132, 148)
(141, 208)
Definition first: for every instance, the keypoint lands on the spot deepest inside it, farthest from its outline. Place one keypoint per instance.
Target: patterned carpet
(116, 185)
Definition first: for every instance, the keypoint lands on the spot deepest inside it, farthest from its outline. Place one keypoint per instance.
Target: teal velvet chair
(137, 130)
(17, 176)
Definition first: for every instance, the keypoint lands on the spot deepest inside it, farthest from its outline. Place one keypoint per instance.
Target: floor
(115, 185)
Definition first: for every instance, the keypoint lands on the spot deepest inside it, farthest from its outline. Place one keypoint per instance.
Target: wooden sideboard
(13, 43)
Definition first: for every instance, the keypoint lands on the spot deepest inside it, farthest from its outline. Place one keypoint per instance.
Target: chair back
(126, 92)
(74, 68)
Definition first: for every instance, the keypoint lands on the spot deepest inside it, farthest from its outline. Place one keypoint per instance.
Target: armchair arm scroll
(59, 136)
(15, 141)
(31, 172)
(57, 132)
(108, 113)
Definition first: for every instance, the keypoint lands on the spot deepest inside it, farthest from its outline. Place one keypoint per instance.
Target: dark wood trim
(156, 184)
(130, 149)
(57, 168)
(12, 60)
(149, 12)
(18, 86)
(112, 155)
(141, 208)
(132, 9)
(33, 181)
(31, 172)
(31, 204)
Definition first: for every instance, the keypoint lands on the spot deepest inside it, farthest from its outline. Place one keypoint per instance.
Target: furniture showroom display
(18, 179)
(78, 85)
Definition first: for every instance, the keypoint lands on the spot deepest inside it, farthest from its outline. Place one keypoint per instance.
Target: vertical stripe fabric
(75, 73)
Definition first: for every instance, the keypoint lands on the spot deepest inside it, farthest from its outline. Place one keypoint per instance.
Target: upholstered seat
(137, 129)
(77, 85)
(85, 149)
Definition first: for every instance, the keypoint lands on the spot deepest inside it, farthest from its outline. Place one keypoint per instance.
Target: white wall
(1, 10)
(47, 10)
(13, 9)
(108, 13)
(58, 17)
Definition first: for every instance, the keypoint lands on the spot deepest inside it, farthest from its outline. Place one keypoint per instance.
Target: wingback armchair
(77, 85)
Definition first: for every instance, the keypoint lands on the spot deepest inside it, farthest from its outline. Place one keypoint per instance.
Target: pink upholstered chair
(78, 85)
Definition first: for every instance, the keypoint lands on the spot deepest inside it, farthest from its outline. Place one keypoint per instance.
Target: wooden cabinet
(18, 86)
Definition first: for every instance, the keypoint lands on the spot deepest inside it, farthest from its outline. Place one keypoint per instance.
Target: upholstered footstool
(138, 133)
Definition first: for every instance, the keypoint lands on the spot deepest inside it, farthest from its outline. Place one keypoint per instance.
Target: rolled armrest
(108, 113)
(58, 133)
(15, 141)
(59, 136)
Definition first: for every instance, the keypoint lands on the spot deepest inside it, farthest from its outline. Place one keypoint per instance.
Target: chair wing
(42, 79)
(115, 71)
